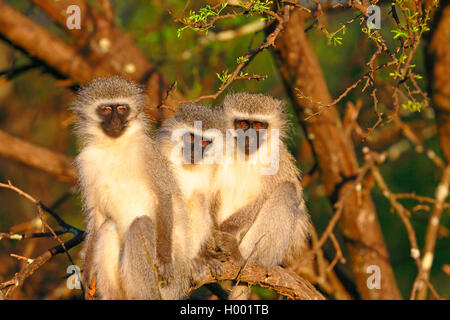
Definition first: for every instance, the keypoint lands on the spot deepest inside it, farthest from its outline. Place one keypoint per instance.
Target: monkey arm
(300, 236)
(268, 230)
(88, 265)
(106, 253)
(241, 221)
(267, 223)
(269, 237)
(164, 228)
(161, 182)
(138, 265)
(223, 244)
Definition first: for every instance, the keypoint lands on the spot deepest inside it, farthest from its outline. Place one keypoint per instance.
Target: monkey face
(255, 137)
(114, 118)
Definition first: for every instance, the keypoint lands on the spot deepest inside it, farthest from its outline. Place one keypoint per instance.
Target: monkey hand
(205, 263)
(215, 267)
(165, 273)
(224, 247)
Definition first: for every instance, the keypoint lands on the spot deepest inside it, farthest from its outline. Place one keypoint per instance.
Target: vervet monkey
(264, 209)
(135, 215)
(192, 141)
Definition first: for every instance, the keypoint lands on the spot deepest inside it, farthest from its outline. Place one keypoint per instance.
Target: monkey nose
(115, 122)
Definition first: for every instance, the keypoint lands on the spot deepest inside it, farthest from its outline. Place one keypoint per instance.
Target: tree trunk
(336, 159)
(438, 66)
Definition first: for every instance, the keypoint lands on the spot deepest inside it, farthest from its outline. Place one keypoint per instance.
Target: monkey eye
(106, 109)
(260, 125)
(243, 124)
(205, 142)
(122, 109)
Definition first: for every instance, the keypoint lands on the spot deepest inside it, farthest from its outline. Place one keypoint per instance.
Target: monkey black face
(197, 154)
(257, 126)
(114, 118)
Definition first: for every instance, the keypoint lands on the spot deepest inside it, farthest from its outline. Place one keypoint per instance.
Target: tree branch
(111, 51)
(54, 163)
(63, 247)
(283, 281)
(40, 43)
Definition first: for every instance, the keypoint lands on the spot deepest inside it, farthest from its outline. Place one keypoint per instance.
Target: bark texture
(336, 158)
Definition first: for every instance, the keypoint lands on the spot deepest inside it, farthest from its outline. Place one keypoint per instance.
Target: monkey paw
(225, 247)
(165, 274)
(205, 264)
(215, 267)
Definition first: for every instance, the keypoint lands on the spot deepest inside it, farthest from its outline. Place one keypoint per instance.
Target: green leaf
(399, 33)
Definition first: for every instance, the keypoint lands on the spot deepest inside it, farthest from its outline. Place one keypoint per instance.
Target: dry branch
(100, 48)
(268, 42)
(40, 43)
(54, 163)
(104, 45)
(442, 192)
(63, 247)
(111, 50)
(283, 281)
(404, 215)
(438, 62)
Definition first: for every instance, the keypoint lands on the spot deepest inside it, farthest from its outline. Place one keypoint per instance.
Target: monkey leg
(106, 261)
(300, 237)
(268, 238)
(138, 263)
